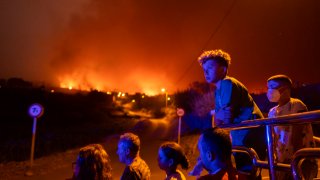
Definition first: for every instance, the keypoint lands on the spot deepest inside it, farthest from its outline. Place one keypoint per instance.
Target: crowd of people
(233, 104)
(214, 145)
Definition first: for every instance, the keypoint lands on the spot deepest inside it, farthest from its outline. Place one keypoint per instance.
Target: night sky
(144, 45)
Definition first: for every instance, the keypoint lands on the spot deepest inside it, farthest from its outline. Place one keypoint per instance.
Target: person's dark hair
(281, 78)
(132, 142)
(218, 141)
(174, 151)
(218, 55)
(93, 163)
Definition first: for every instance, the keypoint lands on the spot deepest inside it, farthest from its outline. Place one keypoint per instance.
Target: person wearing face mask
(289, 139)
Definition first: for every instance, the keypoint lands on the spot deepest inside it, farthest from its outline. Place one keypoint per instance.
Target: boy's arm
(224, 115)
(246, 114)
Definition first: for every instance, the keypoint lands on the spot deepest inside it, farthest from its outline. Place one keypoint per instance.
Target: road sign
(180, 112)
(35, 110)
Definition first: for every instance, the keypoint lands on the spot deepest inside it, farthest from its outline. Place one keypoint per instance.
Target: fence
(268, 123)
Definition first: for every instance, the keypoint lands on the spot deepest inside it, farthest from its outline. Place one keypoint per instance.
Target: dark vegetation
(71, 118)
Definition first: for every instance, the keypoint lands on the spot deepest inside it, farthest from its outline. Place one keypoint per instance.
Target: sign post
(180, 113)
(35, 111)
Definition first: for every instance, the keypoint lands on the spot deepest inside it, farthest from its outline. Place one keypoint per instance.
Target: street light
(164, 91)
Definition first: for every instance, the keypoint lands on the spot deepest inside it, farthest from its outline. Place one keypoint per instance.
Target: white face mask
(273, 95)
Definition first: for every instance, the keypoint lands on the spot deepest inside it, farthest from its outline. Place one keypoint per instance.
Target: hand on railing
(224, 116)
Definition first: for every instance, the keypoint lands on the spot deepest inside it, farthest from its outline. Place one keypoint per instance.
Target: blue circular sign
(35, 110)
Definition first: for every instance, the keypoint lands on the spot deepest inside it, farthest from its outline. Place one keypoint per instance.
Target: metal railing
(256, 162)
(300, 155)
(299, 118)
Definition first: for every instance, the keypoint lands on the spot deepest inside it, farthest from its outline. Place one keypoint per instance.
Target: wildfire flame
(76, 83)
(72, 82)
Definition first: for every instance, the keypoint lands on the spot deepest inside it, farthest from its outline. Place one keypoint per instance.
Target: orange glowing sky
(144, 45)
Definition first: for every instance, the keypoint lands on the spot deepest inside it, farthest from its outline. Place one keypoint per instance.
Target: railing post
(271, 161)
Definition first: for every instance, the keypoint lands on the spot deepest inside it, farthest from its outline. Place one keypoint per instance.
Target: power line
(208, 41)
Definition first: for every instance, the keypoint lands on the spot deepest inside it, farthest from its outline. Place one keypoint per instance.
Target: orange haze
(145, 45)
